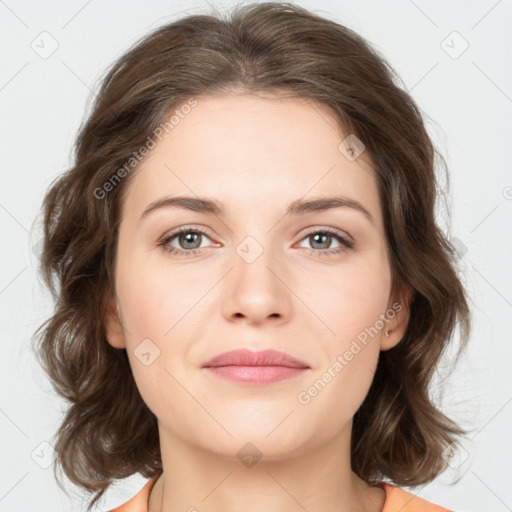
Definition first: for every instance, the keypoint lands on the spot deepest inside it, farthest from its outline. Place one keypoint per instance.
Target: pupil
(318, 236)
(188, 239)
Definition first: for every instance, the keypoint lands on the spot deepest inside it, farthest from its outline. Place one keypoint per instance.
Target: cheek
(150, 309)
(351, 347)
(159, 306)
(349, 298)
(352, 304)
(154, 299)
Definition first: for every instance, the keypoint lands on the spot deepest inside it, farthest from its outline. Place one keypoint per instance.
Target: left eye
(324, 238)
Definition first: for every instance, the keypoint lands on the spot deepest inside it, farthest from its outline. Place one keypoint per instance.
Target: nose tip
(255, 293)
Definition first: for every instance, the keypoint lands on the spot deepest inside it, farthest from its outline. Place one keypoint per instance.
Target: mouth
(256, 374)
(264, 367)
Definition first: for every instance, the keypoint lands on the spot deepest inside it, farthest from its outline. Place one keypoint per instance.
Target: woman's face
(253, 276)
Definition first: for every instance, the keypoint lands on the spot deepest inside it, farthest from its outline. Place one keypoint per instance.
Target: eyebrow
(214, 207)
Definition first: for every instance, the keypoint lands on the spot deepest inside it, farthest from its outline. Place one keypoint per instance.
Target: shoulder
(139, 502)
(399, 500)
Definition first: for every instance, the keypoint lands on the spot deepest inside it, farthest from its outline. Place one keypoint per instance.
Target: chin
(255, 443)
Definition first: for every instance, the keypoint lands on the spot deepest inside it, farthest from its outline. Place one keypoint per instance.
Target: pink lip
(250, 367)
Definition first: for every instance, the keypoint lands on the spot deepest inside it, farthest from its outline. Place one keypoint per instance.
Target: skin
(256, 154)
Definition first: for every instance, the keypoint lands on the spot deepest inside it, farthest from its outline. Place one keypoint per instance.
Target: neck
(314, 480)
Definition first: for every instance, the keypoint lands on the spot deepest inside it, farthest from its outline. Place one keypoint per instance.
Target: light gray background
(469, 100)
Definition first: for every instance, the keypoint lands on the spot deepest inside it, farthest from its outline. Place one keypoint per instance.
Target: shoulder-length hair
(108, 432)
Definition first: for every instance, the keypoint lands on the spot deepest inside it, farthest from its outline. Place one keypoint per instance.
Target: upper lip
(245, 357)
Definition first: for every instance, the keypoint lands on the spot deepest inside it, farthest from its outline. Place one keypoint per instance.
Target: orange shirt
(397, 500)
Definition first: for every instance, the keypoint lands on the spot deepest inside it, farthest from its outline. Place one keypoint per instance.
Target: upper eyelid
(184, 229)
(337, 231)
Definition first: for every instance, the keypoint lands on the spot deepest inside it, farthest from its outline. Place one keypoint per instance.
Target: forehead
(252, 153)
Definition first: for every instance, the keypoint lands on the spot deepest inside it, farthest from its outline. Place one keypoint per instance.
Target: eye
(324, 237)
(189, 238)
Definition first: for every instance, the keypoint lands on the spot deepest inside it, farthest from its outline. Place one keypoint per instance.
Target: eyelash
(345, 242)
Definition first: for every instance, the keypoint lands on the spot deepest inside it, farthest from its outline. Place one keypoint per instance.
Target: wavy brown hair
(108, 432)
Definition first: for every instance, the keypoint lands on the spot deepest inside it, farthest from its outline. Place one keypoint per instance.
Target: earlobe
(395, 329)
(113, 326)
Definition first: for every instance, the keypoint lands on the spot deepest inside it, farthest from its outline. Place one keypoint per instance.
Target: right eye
(187, 237)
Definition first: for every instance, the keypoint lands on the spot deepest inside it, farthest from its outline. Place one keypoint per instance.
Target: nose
(256, 291)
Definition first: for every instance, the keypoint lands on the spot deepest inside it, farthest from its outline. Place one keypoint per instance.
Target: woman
(253, 293)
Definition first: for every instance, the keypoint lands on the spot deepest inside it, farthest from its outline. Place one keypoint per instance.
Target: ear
(113, 326)
(400, 303)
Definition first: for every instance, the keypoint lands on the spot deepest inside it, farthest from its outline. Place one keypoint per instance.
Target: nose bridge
(256, 290)
(254, 263)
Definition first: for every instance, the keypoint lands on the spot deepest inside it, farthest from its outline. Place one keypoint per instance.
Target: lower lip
(256, 374)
